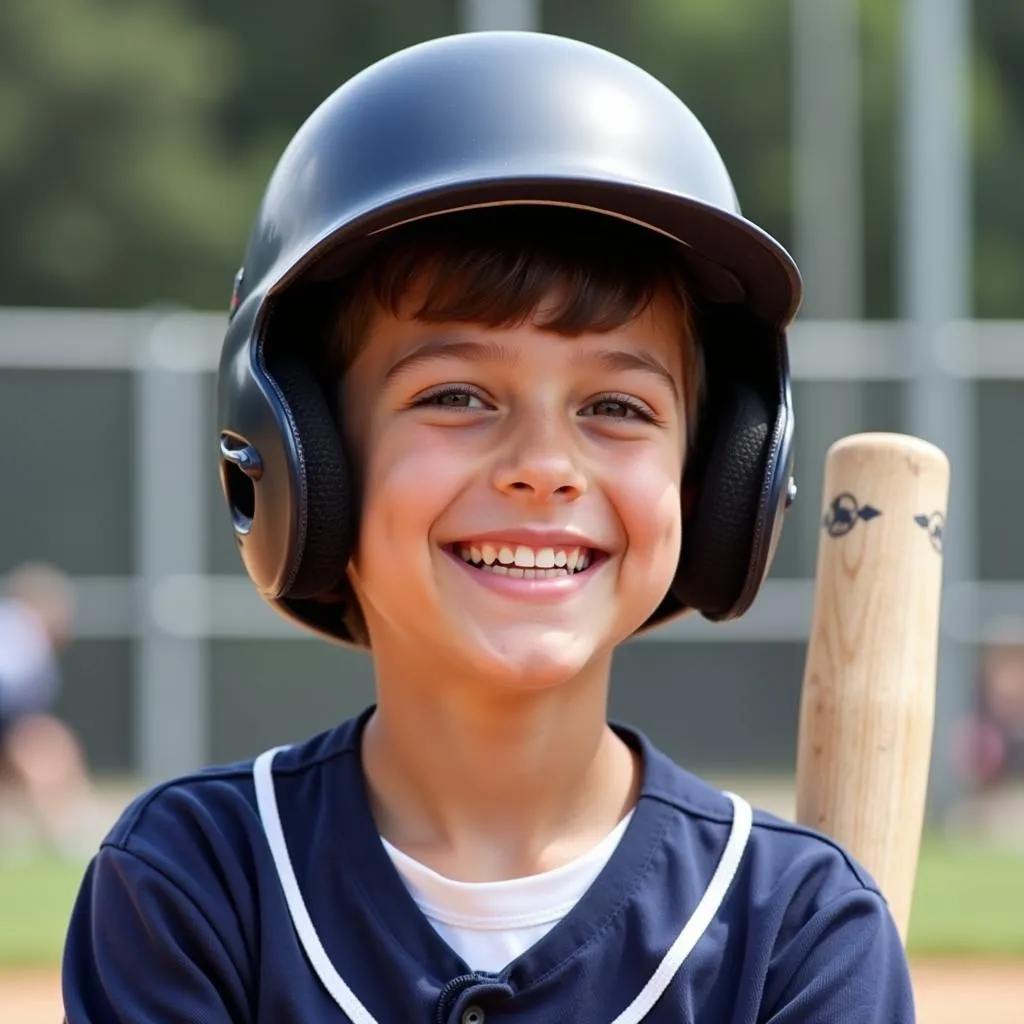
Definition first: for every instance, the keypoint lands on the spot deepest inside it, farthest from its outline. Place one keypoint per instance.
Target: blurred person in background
(41, 759)
(989, 744)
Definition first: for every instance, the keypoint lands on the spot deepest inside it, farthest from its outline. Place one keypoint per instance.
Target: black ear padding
(727, 475)
(325, 496)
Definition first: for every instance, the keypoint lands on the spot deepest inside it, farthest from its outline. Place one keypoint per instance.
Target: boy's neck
(483, 786)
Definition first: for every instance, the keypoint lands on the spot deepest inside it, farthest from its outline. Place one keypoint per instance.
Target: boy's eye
(616, 408)
(455, 398)
(611, 407)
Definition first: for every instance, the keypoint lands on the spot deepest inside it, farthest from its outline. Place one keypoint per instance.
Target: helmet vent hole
(241, 495)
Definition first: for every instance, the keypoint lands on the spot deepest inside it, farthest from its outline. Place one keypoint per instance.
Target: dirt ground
(948, 992)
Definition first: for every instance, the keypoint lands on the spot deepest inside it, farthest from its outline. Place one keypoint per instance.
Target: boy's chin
(532, 658)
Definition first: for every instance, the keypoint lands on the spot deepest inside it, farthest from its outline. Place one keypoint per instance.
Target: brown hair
(567, 270)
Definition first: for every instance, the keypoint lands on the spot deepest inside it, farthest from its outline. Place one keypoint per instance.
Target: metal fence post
(170, 669)
(488, 15)
(827, 228)
(936, 260)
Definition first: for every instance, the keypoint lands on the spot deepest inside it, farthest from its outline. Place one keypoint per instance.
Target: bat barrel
(868, 698)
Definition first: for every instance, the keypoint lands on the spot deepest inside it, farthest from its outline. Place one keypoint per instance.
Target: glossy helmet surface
(469, 121)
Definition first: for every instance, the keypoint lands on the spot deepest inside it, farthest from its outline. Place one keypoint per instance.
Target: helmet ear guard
(291, 516)
(740, 472)
(325, 502)
(291, 356)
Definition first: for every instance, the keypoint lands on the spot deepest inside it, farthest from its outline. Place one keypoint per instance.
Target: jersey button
(473, 1015)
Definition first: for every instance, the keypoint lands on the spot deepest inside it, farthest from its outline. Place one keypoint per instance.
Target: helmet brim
(731, 260)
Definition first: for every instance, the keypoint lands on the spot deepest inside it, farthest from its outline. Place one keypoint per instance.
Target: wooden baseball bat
(868, 699)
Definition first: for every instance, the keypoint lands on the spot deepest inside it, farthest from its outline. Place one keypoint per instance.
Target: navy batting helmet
(469, 121)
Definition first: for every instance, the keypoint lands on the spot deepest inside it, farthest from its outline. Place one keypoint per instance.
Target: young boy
(505, 382)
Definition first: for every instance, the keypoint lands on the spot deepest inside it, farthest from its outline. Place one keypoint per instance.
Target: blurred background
(882, 142)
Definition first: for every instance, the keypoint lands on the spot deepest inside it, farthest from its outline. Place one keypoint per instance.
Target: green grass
(969, 901)
(36, 895)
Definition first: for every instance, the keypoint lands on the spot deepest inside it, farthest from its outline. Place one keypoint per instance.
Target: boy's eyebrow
(448, 347)
(621, 359)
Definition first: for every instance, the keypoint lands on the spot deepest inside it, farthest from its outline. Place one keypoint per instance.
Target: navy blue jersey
(260, 893)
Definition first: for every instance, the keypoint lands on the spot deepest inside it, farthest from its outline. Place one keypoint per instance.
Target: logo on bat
(844, 513)
(935, 524)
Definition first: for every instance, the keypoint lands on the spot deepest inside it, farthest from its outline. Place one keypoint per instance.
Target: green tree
(998, 133)
(293, 55)
(114, 187)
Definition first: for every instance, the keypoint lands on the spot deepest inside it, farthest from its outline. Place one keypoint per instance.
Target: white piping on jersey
(714, 895)
(266, 800)
(742, 819)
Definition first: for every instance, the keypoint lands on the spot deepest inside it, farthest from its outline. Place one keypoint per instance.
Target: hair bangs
(506, 282)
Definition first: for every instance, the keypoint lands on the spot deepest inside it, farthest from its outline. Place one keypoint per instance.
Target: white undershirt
(489, 924)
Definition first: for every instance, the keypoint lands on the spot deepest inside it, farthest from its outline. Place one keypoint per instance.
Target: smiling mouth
(520, 561)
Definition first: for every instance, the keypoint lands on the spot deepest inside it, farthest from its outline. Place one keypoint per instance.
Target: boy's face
(480, 447)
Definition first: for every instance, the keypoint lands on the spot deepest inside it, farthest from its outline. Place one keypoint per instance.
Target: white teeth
(545, 558)
(527, 574)
(524, 557)
(526, 562)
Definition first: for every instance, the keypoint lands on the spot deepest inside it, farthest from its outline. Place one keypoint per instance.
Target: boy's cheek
(660, 539)
(651, 503)
(409, 491)
(395, 454)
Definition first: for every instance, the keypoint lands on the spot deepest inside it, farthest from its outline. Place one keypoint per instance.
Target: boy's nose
(541, 470)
